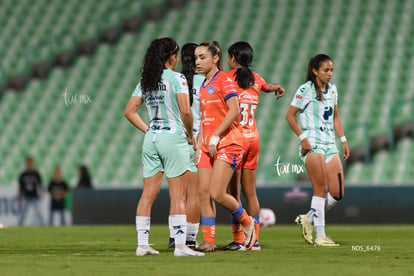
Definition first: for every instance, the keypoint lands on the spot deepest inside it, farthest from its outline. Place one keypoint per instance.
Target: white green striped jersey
(162, 106)
(195, 108)
(316, 117)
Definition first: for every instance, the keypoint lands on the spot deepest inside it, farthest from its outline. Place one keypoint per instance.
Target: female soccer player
(221, 145)
(193, 198)
(317, 102)
(249, 85)
(165, 147)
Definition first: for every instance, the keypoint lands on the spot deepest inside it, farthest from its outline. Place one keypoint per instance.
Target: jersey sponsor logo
(210, 90)
(152, 98)
(162, 87)
(229, 79)
(299, 97)
(328, 112)
(246, 95)
(213, 101)
(212, 119)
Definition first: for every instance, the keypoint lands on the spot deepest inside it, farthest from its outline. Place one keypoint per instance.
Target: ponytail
(315, 63)
(188, 66)
(243, 54)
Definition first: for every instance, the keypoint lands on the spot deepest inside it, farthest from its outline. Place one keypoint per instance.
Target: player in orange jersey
(220, 145)
(249, 85)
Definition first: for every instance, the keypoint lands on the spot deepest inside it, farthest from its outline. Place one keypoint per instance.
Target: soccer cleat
(307, 228)
(191, 244)
(186, 251)
(256, 246)
(146, 250)
(234, 246)
(249, 235)
(325, 241)
(206, 247)
(171, 243)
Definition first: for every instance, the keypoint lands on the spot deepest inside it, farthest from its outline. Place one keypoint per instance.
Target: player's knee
(217, 196)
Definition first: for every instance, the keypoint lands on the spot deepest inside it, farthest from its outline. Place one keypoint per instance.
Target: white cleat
(306, 226)
(325, 241)
(185, 251)
(249, 235)
(146, 250)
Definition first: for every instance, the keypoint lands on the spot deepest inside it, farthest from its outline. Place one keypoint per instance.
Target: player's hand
(190, 140)
(306, 147)
(197, 156)
(345, 150)
(212, 147)
(279, 93)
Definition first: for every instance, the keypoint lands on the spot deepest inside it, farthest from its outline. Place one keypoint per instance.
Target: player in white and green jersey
(316, 117)
(195, 107)
(316, 101)
(192, 198)
(165, 148)
(162, 106)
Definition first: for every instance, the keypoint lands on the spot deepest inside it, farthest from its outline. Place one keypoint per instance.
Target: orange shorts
(250, 156)
(232, 155)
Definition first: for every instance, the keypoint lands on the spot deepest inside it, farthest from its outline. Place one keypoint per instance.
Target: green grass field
(110, 250)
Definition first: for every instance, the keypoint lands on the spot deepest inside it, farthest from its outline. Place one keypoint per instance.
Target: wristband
(214, 140)
(343, 139)
(302, 136)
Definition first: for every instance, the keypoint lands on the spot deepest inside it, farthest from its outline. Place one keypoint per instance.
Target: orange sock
(241, 216)
(238, 234)
(208, 226)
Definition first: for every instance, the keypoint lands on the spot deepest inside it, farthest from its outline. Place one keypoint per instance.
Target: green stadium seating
(370, 43)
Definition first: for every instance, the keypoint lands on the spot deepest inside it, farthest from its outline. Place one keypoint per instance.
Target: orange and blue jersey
(249, 100)
(213, 97)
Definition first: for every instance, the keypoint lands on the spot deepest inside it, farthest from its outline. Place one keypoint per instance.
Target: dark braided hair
(188, 65)
(315, 63)
(154, 62)
(243, 54)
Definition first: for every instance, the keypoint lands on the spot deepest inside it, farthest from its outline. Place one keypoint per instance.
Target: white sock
(143, 228)
(317, 214)
(192, 231)
(330, 202)
(178, 229)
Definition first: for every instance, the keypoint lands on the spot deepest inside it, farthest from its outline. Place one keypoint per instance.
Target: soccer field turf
(110, 250)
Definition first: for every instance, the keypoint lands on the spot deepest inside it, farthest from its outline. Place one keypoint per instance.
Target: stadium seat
(371, 48)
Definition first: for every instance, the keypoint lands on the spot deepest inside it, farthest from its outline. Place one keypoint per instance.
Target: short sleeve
(137, 91)
(261, 83)
(335, 91)
(228, 87)
(181, 85)
(300, 100)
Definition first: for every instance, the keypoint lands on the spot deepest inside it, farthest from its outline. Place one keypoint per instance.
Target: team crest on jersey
(299, 97)
(210, 90)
